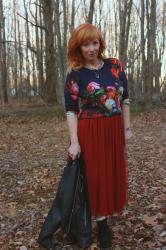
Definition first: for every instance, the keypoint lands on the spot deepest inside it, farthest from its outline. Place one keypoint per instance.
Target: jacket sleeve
(71, 92)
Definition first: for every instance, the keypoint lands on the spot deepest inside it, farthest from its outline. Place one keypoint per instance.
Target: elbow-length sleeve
(123, 78)
(118, 71)
(71, 93)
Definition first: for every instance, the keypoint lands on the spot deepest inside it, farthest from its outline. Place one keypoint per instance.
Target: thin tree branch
(36, 25)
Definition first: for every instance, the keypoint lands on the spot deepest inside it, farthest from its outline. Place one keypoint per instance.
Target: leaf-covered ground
(32, 157)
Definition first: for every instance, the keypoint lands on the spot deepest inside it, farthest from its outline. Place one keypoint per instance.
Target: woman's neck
(93, 63)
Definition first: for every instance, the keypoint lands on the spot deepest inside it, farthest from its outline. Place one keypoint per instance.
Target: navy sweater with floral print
(96, 93)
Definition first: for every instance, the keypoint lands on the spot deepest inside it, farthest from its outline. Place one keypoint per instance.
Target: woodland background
(33, 131)
(33, 44)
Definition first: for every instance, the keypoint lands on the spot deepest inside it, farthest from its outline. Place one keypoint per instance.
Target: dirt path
(32, 156)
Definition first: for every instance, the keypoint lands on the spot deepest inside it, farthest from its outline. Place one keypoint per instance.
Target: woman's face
(90, 49)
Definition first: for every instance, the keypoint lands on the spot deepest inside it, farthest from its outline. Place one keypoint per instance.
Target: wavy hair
(84, 32)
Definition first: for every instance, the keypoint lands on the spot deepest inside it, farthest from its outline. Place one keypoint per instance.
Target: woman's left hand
(128, 134)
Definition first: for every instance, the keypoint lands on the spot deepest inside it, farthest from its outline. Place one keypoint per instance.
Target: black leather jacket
(70, 210)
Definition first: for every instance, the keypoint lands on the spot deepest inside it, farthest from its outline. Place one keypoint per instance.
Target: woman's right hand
(74, 150)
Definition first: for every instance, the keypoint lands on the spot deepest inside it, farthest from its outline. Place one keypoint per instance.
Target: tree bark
(91, 11)
(15, 50)
(158, 57)
(64, 34)
(51, 80)
(151, 34)
(20, 57)
(3, 68)
(28, 44)
(72, 16)
(124, 16)
(39, 49)
(61, 49)
(143, 58)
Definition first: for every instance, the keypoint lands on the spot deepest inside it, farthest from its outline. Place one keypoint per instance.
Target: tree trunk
(3, 70)
(64, 34)
(61, 61)
(159, 53)
(51, 80)
(20, 56)
(91, 11)
(144, 62)
(15, 50)
(72, 16)
(151, 34)
(39, 49)
(124, 15)
(28, 44)
(116, 30)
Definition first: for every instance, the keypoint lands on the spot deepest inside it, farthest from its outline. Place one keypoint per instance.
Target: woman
(97, 108)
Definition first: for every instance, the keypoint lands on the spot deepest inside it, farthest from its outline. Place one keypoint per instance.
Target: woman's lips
(92, 54)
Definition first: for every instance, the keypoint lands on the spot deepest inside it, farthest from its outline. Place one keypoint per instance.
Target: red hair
(81, 34)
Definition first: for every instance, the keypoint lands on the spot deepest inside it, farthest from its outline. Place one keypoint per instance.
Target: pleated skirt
(103, 149)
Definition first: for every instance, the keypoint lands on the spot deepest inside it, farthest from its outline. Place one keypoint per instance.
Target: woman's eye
(86, 44)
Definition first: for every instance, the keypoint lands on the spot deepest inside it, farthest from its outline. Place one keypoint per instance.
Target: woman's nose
(91, 48)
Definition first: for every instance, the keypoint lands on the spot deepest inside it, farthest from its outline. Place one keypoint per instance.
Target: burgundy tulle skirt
(103, 148)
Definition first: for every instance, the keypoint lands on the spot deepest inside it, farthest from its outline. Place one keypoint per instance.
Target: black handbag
(70, 209)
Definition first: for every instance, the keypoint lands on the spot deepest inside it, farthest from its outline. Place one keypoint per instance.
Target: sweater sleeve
(71, 92)
(118, 71)
(123, 78)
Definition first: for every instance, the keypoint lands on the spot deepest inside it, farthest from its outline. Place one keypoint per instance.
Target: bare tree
(39, 48)
(60, 51)
(15, 66)
(72, 16)
(151, 35)
(91, 11)
(143, 58)
(3, 69)
(20, 58)
(51, 80)
(65, 29)
(36, 45)
(159, 48)
(124, 17)
(28, 45)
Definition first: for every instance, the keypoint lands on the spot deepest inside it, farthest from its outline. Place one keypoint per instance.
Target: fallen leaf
(150, 220)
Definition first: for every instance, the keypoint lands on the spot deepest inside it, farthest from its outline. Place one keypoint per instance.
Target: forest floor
(32, 158)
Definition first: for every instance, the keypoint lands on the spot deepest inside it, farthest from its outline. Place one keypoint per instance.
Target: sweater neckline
(94, 69)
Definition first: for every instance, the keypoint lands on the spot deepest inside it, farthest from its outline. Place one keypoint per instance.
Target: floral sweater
(96, 93)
